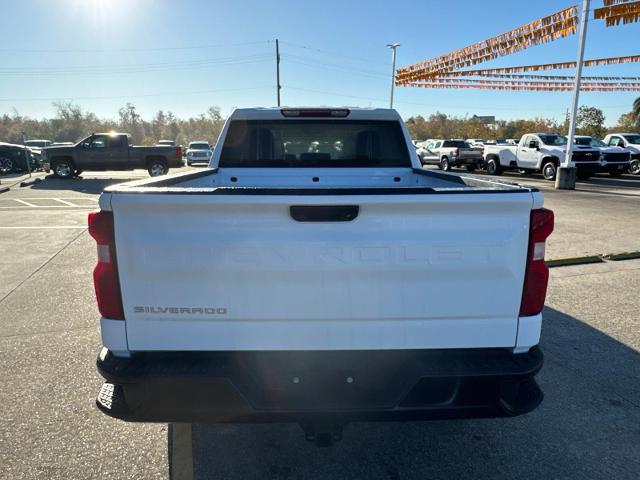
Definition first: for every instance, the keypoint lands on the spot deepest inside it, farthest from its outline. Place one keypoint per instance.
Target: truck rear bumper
(318, 386)
(458, 161)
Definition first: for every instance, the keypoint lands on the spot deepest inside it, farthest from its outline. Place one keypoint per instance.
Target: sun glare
(102, 12)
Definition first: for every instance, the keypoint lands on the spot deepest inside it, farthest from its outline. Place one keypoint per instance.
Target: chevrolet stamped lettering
(181, 310)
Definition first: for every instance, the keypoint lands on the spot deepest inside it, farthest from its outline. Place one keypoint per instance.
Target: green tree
(635, 111)
(131, 122)
(590, 121)
(626, 122)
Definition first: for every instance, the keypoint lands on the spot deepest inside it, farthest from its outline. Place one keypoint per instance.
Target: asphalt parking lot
(587, 427)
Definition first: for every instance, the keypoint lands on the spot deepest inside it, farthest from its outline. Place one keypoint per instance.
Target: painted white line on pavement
(45, 227)
(49, 206)
(23, 202)
(95, 199)
(64, 202)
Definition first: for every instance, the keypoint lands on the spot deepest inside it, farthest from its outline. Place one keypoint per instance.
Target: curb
(563, 262)
(622, 256)
(608, 257)
(4, 188)
(30, 181)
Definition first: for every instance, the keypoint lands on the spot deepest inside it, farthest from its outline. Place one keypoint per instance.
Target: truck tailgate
(237, 272)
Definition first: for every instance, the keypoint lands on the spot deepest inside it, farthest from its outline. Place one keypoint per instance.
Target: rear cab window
(314, 143)
(199, 146)
(455, 144)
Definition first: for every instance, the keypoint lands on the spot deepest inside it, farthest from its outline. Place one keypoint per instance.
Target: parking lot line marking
(24, 203)
(94, 198)
(45, 227)
(64, 202)
(47, 206)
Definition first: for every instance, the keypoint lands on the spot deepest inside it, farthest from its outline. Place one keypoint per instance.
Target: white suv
(199, 152)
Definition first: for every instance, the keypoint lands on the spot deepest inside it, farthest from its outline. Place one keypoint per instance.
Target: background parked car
(199, 152)
(110, 151)
(13, 158)
(540, 152)
(630, 141)
(614, 160)
(450, 153)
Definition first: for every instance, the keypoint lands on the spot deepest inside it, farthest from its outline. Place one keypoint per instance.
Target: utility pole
(26, 153)
(566, 174)
(393, 47)
(278, 86)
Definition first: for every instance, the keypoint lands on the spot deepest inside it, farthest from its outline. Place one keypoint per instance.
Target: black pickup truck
(109, 151)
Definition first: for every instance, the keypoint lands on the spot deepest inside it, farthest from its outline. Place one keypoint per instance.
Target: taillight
(536, 277)
(178, 152)
(105, 274)
(456, 152)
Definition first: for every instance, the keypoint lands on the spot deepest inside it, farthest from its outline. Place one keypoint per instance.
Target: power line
(325, 52)
(295, 59)
(116, 50)
(120, 97)
(130, 68)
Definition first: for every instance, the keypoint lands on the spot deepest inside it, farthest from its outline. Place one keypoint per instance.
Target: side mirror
(533, 144)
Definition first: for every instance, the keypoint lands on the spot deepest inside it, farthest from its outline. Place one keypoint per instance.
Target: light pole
(393, 47)
(278, 87)
(566, 174)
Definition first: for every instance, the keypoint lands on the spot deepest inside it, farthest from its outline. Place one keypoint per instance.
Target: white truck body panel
(210, 263)
(390, 279)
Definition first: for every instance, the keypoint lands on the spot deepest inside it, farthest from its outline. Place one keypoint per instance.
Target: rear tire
(634, 167)
(445, 165)
(493, 167)
(63, 169)
(549, 170)
(6, 165)
(157, 167)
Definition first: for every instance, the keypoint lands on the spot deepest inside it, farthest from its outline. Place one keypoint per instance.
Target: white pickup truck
(613, 160)
(315, 273)
(540, 152)
(628, 141)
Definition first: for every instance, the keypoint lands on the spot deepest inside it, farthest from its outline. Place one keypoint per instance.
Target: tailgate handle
(324, 213)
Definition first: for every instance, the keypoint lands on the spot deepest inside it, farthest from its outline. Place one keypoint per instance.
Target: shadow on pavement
(80, 184)
(587, 427)
(626, 181)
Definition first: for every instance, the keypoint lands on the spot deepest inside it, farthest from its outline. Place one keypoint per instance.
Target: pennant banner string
(531, 68)
(558, 25)
(619, 12)
(584, 87)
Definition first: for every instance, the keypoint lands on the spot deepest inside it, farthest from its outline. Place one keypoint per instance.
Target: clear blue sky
(187, 55)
